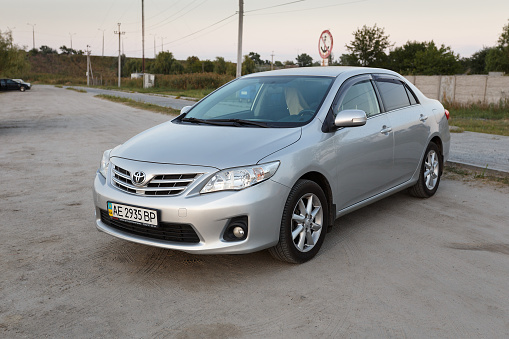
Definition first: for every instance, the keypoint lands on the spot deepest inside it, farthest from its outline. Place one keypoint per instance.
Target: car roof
(329, 71)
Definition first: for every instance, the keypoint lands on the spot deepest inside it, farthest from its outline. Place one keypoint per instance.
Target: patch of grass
(59, 86)
(456, 172)
(76, 89)
(140, 105)
(196, 94)
(481, 118)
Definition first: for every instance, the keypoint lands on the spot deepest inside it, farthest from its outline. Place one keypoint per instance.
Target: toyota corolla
(271, 160)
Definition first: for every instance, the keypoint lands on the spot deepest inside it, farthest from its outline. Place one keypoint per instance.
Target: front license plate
(137, 215)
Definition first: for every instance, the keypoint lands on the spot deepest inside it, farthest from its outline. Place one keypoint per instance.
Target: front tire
(429, 176)
(303, 225)
(22, 88)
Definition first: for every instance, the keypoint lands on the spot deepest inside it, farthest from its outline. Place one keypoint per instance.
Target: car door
(364, 153)
(409, 125)
(11, 84)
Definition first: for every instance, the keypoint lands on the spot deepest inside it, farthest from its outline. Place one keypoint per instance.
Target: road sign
(325, 44)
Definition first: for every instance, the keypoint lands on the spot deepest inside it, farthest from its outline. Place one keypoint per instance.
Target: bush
(192, 81)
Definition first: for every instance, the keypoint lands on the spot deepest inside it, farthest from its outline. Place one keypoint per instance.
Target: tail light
(447, 114)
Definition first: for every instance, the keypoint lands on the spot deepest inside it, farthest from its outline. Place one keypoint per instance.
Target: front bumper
(208, 214)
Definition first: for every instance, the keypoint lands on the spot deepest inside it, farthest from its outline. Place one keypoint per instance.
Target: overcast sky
(287, 30)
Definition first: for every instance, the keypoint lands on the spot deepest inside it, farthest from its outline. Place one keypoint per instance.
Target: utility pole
(154, 44)
(88, 65)
(239, 45)
(143, 35)
(162, 43)
(272, 63)
(10, 30)
(119, 64)
(33, 33)
(71, 37)
(103, 38)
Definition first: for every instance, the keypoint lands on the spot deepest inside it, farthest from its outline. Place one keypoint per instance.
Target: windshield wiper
(226, 122)
(204, 121)
(245, 122)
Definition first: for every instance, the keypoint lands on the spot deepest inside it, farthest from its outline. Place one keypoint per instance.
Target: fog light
(236, 229)
(238, 232)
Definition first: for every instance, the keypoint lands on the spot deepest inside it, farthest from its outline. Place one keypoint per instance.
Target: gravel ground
(402, 267)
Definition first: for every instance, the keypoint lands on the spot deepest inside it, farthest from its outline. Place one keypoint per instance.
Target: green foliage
(132, 66)
(220, 66)
(402, 59)
(248, 65)
(349, 60)
(192, 81)
(13, 60)
(47, 50)
(70, 51)
(278, 63)
(208, 66)
(436, 61)
(255, 57)
(304, 60)
(163, 63)
(476, 64)
(369, 46)
(193, 65)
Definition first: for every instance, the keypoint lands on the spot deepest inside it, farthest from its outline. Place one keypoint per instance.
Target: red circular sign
(325, 44)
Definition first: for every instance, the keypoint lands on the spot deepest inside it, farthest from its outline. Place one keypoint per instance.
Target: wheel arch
(324, 184)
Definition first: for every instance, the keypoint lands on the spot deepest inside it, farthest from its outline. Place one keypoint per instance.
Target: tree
(476, 64)
(402, 59)
(255, 57)
(193, 65)
(435, 61)
(497, 59)
(45, 50)
(163, 63)
(207, 66)
(369, 45)
(219, 65)
(349, 60)
(304, 60)
(248, 65)
(69, 51)
(13, 60)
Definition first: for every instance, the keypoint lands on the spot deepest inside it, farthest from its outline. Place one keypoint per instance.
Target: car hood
(201, 145)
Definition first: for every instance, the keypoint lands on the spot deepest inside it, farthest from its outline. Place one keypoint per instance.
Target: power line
(311, 8)
(287, 3)
(201, 30)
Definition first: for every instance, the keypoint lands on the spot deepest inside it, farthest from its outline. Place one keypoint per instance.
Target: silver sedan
(270, 160)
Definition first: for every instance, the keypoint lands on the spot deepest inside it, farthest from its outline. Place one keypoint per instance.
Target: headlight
(240, 178)
(105, 163)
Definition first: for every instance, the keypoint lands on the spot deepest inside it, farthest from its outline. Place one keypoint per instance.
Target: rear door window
(394, 94)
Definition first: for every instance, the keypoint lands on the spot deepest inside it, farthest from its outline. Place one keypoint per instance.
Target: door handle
(386, 130)
(423, 118)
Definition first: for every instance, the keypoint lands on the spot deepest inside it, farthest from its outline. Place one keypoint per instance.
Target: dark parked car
(16, 84)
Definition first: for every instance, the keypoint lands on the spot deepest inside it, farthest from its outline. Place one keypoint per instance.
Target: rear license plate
(136, 215)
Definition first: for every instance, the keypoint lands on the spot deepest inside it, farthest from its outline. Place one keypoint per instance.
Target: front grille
(182, 233)
(158, 185)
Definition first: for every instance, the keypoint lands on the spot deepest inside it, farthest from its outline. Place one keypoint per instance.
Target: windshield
(279, 101)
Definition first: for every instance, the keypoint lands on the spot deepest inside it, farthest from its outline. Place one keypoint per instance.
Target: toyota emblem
(138, 178)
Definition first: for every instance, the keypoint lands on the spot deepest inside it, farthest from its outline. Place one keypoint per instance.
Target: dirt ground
(402, 267)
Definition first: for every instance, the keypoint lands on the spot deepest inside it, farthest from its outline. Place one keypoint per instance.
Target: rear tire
(429, 176)
(303, 225)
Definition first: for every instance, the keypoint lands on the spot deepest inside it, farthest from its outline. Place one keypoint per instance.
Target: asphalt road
(402, 267)
(156, 99)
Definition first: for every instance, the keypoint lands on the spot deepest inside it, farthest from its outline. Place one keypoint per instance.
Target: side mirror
(185, 109)
(350, 118)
